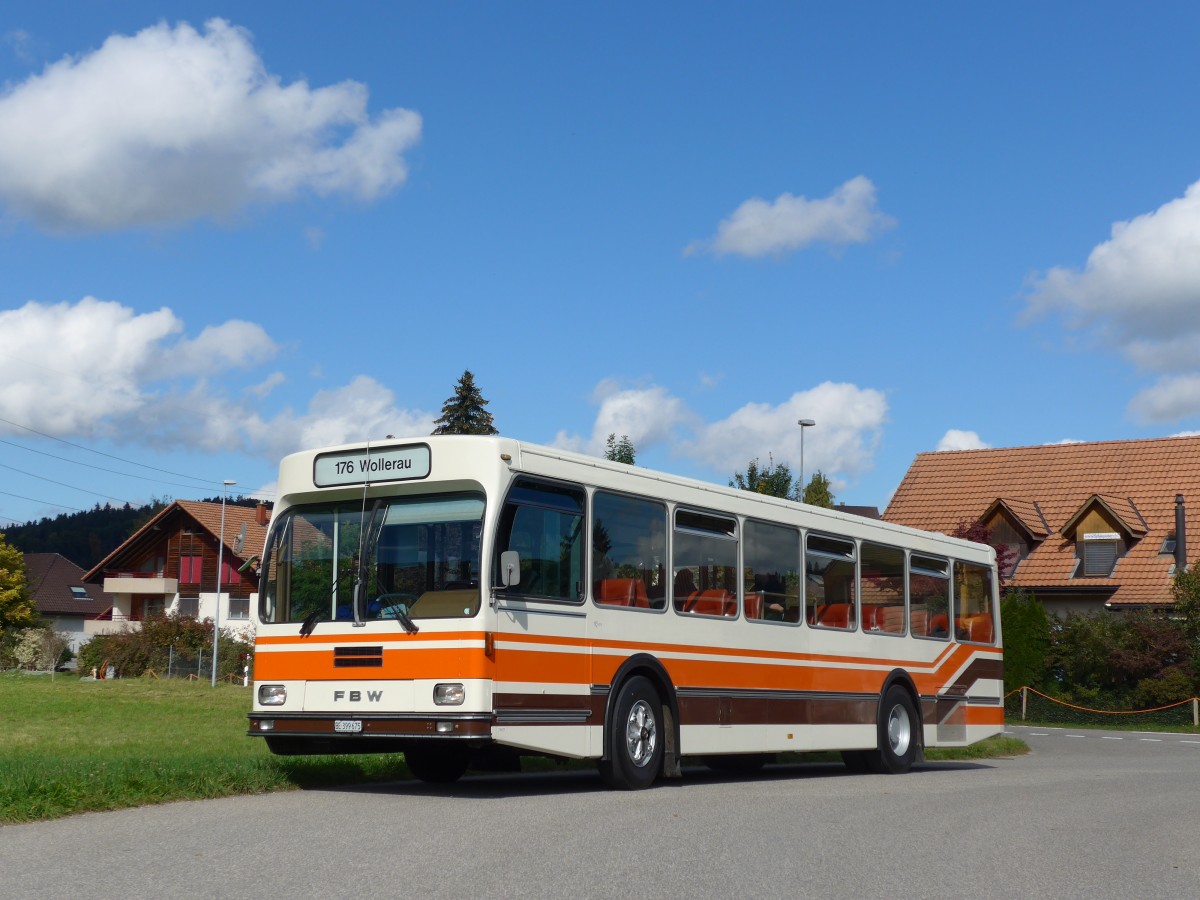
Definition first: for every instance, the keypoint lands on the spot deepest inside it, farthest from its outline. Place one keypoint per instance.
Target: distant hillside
(87, 537)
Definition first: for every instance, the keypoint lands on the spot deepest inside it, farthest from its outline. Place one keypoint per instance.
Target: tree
(1026, 628)
(1185, 592)
(17, 609)
(982, 535)
(464, 413)
(620, 451)
(817, 492)
(773, 480)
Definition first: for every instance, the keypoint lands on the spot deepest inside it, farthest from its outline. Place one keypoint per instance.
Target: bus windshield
(395, 557)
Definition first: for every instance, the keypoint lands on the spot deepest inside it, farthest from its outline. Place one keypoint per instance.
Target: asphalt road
(1086, 814)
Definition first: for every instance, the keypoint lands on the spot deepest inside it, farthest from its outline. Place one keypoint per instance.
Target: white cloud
(1168, 400)
(954, 439)
(758, 228)
(649, 416)
(97, 368)
(1138, 294)
(849, 421)
(842, 444)
(172, 124)
(361, 410)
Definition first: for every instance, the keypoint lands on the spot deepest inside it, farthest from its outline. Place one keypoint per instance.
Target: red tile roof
(1047, 489)
(51, 576)
(207, 516)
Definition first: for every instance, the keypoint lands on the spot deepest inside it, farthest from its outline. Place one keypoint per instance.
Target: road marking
(1151, 740)
(1110, 738)
(1075, 735)
(1189, 742)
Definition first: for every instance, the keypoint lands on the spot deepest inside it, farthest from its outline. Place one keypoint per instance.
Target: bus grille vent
(357, 657)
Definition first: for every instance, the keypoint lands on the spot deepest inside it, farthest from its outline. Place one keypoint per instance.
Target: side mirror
(510, 568)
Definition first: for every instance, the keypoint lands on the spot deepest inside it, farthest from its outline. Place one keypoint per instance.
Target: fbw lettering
(356, 696)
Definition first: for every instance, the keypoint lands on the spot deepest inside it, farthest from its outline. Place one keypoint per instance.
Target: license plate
(347, 726)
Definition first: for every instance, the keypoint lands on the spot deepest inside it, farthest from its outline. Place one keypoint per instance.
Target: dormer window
(1099, 553)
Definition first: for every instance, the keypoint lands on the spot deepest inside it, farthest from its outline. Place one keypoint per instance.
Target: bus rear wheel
(635, 737)
(437, 765)
(899, 732)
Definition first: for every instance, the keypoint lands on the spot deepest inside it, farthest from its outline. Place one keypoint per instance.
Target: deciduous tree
(17, 609)
(772, 480)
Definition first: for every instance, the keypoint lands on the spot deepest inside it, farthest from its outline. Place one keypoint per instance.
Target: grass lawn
(69, 746)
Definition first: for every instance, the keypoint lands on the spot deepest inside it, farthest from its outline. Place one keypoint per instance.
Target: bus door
(541, 690)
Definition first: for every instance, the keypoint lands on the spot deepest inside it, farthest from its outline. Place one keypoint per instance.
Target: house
(170, 565)
(63, 598)
(1090, 526)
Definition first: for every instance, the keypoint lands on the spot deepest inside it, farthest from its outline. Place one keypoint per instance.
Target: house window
(239, 607)
(189, 569)
(1099, 554)
(1168, 546)
(79, 593)
(189, 607)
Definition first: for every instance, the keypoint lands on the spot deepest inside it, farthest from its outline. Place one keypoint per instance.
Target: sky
(233, 231)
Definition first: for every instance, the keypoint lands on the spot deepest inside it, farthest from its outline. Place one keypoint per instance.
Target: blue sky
(228, 232)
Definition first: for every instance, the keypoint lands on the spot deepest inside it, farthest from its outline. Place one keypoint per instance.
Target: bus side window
(629, 552)
(830, 578)
(544, 524)
(974, 616)
(882, 587)
(929, 596)
(771, 572)
(704, 560)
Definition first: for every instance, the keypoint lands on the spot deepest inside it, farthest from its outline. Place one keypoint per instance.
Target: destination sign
(362, 466)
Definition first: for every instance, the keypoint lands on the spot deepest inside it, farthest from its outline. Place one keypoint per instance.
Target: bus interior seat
(836, 615)
(713, 602)
(976, 628)
(622, 592)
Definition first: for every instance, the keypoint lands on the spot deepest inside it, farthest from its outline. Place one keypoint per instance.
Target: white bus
(461, 597)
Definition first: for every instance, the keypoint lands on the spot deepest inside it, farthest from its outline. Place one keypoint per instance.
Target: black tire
(738, 763)
(635, 737)
(286, 746)
(437, 765)
(899, 732)
(859, 760)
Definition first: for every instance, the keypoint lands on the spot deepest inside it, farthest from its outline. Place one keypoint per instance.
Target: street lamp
(220, 564)
(803, 423)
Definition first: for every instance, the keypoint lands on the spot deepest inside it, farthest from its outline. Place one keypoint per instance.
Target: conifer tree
(464, 413)
(621, 451)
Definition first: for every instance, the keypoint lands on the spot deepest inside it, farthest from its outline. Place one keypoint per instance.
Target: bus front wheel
(635, 737)
(437, 765)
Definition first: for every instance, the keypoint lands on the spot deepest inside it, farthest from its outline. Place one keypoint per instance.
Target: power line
(102, 453)
(62, 484)
(75, 462)
(43, 502)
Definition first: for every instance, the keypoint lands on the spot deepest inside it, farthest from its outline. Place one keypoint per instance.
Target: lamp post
(220, 565)
(803, 423)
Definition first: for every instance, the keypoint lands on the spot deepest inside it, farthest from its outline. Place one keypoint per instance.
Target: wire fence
(1028, 704)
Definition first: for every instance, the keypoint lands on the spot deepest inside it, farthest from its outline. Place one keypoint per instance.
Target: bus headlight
(272, 694)
(449, 694)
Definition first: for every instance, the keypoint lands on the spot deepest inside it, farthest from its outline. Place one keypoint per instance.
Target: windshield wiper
(408, 624)
(310, 622)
